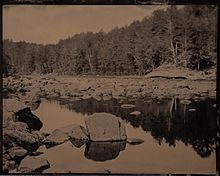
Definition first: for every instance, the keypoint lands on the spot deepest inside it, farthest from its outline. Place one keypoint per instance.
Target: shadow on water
(192, 123)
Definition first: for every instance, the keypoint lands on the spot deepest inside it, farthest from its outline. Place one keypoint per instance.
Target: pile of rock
(23, 143)
(21, 137)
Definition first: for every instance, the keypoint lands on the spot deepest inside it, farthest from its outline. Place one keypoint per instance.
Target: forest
(183, 37)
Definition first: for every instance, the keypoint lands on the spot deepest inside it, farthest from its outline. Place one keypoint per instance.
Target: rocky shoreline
(21, 94)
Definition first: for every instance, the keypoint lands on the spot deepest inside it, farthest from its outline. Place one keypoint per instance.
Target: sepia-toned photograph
(109, 89)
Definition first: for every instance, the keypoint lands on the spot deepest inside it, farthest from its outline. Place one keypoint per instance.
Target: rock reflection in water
(103, 151)
(164, 122)
(77, 143)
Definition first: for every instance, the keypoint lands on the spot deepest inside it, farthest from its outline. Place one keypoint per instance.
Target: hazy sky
(47, 24)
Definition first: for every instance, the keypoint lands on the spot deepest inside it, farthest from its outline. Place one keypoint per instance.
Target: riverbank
(24, 91)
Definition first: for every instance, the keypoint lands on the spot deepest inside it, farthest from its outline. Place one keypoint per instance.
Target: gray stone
(134, 141)
(192, 110)
(18, 134)
(9, 165)
(186, 102)
(56, 137)
(127, 106)
(33, 164)
(135, 113)
(105, 127)
(84, 86)
(17, 152)
(86, 96)
(75, 132)
(107, 97)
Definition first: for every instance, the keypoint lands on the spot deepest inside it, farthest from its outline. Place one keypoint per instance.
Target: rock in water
(134, 141)
(192, 110)
(105, 127)
(75, 132)
(186, 102)
(55, 138)
(33, 164)
(127, 106)
(135, 113)
(25, 115)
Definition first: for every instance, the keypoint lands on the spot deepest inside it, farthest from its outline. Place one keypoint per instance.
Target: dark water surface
(178, 138)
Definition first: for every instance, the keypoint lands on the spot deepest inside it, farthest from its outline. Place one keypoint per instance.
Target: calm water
(176, 140)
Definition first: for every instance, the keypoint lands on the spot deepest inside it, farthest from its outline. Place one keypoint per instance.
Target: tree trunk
(171, 41)
(90, 63)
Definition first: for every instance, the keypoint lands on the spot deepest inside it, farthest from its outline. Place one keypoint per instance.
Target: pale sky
(47, 24)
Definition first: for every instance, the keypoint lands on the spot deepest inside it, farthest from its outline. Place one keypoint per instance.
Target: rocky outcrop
(18, 134)
(25, 115)
(105, 127)
(33, 164)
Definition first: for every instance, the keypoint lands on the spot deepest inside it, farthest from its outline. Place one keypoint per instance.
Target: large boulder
(105, 127)
(33, 164)
(25, 115)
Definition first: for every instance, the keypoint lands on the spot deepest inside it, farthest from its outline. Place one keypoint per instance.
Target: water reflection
(166, 120)
(103, 151)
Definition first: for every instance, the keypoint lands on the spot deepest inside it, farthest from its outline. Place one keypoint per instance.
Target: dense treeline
(181, 36)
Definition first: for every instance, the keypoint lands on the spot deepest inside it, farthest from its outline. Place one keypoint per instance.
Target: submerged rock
(33, 164)
(105, 127)
(103, 151)
(75, 132)
(134, 141)
(25, 115)
(127, 106)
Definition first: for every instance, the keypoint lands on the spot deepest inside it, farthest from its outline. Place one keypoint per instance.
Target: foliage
(184, 36)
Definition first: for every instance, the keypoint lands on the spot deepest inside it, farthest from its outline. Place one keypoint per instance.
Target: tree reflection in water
(165, 123)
